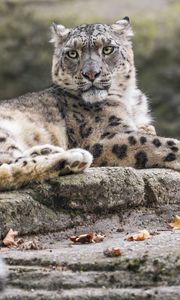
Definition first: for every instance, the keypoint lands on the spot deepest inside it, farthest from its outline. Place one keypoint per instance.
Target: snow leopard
(94, 114)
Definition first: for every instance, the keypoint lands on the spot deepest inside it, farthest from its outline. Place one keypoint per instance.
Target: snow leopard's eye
(72, 54)
(108, 50)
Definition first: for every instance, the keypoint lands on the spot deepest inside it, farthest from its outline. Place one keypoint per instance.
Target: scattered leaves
(9, 240)
(113, 252)
(141, 236)
(87, 238)
(175, 224)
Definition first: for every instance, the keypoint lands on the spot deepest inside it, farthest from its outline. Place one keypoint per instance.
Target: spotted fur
(94, 104)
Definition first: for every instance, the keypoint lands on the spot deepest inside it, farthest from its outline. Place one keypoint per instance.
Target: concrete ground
(146, 270)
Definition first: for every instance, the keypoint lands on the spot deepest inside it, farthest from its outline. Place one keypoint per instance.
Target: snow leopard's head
(92, 60)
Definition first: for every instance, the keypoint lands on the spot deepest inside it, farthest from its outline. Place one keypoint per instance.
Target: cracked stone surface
(114, 201)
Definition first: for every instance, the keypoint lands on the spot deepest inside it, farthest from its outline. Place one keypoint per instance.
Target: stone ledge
(116, 201)
(83, 199)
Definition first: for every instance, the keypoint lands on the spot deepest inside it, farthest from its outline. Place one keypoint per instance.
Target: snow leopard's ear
(123, 27)
(58, 33)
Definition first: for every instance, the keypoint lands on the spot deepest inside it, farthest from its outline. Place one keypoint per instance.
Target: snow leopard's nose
(91, 70)
(91, 75)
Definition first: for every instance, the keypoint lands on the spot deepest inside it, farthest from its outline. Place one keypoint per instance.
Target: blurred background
(25, 54)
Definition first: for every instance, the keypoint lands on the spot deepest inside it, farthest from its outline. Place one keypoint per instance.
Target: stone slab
(84, 199)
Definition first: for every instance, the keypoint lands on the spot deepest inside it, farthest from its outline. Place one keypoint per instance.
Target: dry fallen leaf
(141, 236)
(98, 237)
(113, 252)
(87, 238)
(9, 240)
(175, 224)
(82, 238)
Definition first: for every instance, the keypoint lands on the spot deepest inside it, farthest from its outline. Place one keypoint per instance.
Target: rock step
(47, 278)
(76, 200)
(64, 266)
(159, 293)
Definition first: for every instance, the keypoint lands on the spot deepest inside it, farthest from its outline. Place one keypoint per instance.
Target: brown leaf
(98, 237)
(141, 236)
(83, 238)
(175, 224)
(113, 252)
(87, 238)
(9, 240)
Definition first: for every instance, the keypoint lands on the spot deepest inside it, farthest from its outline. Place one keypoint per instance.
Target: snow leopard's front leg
(138, 151)
(35, 167)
